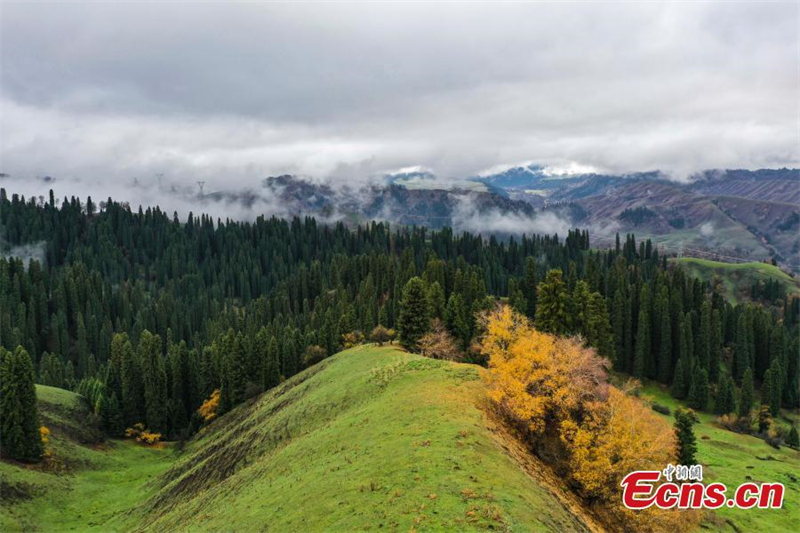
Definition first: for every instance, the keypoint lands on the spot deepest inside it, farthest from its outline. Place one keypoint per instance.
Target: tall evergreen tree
(414, 321)
(529, 286)
(131, 378)
(698, 391)
(154, 379)
(685, 419)
(741, 361)
(678, 388)
(19, 415)
(725, 401)
(640, 362)
(715, 353)
(665, 348)
(552, 303)
(703, 342)
(746, 394)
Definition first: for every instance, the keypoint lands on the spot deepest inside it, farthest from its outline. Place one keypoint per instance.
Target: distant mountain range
(744, 214)
(722, 214)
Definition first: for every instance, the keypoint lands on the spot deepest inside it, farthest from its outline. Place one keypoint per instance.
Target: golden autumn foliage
(557, 390)
(210, 407)
(142, 434)
(44, 431)
(536, 377)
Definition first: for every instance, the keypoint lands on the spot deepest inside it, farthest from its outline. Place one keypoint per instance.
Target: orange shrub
(556, 389)
(210, 407)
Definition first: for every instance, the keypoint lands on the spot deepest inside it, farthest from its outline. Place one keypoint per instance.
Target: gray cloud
(232, 92)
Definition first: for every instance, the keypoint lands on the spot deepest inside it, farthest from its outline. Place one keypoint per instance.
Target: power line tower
(680, 249)
(201, 184)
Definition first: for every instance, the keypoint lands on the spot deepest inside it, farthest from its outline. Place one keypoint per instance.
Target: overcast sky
(234, 92)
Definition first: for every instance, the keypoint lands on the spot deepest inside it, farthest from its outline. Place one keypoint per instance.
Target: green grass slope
(86, 483)
(372, 439)
(733, 459)
(737, 278)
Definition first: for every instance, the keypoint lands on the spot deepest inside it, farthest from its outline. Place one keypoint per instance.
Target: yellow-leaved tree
(210, 407)
(556, 390)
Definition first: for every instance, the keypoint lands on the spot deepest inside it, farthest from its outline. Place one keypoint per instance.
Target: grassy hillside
(85, 484)
(371, 439)
(737, 278)
(733, 459)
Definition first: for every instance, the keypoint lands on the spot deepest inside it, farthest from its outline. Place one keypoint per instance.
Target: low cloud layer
(229, 93)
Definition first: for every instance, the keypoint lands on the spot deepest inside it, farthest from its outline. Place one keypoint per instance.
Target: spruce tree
(685, 419)
(678, 388)
(775, 380)
(725, 401)
(272, 373)
(642, 344)
(529, 286)
(552, 304)
(621, 359)
(741, 359)
(665, 348)
(111, 415)
(436, 301)
(716, 346)
(698, 391)
(598, 332)
(746, 394)
(154, 379)
(703, 342)
(20, 438)
(131, 378)
(413, 322)
(793, 440)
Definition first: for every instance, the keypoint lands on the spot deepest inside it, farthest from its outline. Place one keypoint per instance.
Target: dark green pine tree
(702, 348)
(715, 355)
(793, 440)
(456, 318)
(746, 394)
(741, 359)
(772, 387)
(436, 301)
(687, 345)
(413, 322)
(665, 347)
(685, 419)
(19, 415)
(698, 391)
(622, 357)
(154, 379)
(111, 415)
(642, 353)
(678, 388)
(181, 402)
(272, 371)
(725, 401)
(552, 304)
(234, 379)
(131, 378)
(529, 286)
(598, 332)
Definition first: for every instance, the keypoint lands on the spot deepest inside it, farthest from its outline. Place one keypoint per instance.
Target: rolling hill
(736, 279)
(371, 439)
